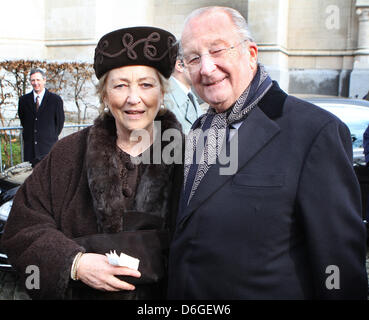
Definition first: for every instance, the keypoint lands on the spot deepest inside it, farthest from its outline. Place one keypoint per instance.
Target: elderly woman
(93, 193)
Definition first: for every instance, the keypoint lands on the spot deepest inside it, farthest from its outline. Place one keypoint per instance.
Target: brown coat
(76, 191)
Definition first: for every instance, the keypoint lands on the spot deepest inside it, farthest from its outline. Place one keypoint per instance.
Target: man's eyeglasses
(193, 61)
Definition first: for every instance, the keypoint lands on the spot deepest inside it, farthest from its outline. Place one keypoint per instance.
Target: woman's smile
(134, 114)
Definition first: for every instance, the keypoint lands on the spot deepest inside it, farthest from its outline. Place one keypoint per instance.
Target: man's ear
(253, 51)
(179, 65)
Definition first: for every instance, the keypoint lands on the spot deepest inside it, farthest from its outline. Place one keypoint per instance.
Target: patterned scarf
(207, 139)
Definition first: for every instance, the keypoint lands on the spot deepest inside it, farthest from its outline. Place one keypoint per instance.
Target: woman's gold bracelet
(73, 271)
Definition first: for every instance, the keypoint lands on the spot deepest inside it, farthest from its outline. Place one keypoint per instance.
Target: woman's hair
(101, 91)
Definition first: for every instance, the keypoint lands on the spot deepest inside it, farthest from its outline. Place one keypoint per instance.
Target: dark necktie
(37, 103)
(192, 98)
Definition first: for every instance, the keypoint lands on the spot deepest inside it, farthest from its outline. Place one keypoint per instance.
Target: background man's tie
(190, 95)
(37, 103)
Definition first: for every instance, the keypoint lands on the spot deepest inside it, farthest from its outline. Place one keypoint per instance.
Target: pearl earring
(106, 109)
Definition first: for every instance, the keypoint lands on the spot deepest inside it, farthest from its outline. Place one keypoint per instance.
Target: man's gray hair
(236, 17)
(38, 70)
(180, 51)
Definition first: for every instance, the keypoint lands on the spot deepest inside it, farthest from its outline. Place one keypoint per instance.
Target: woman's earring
(106, 109)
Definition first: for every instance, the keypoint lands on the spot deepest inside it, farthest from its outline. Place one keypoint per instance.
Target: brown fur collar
(103, 173)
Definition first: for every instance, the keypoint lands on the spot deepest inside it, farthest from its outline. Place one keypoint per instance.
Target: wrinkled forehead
(207, 30)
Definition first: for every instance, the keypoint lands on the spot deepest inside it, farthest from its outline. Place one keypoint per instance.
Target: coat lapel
(178, 95)
(31, 103)
(184, 104)
(44, 101)
(258, 129)
(191, 111)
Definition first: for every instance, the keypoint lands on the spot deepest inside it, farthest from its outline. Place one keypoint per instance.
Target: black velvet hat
(147, 46)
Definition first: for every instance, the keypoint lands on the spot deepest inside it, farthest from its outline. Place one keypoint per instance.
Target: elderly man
(286, 224)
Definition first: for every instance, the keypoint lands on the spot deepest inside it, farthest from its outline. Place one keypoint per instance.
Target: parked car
(354, 113)
(10, 182)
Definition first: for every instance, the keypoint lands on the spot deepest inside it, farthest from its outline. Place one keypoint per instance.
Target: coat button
(35, 142)
(127, 192)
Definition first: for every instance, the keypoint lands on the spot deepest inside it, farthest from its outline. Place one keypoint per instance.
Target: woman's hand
(95, 271)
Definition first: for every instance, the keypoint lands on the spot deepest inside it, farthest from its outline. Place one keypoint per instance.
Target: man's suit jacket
(178, 102)
(287, 225)
(42, 128)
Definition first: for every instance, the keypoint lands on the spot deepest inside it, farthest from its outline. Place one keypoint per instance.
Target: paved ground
(10, 288)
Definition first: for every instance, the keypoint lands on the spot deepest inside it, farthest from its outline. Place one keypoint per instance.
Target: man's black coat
(42, 128)
(287, 224)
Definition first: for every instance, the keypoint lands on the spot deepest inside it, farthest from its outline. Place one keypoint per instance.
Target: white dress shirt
(41, 95)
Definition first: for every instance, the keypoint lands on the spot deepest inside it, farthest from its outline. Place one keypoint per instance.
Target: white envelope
(123, 260)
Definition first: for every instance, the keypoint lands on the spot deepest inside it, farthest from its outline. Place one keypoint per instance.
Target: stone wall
(322, 43)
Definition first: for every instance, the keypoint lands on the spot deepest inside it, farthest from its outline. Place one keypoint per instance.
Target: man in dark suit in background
(41, 115)
(284, 222)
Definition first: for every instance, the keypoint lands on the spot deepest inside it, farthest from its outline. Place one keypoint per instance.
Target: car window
(355, 117)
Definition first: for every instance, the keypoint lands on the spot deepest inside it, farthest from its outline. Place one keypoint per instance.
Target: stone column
(269, 26)
(359, 80)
